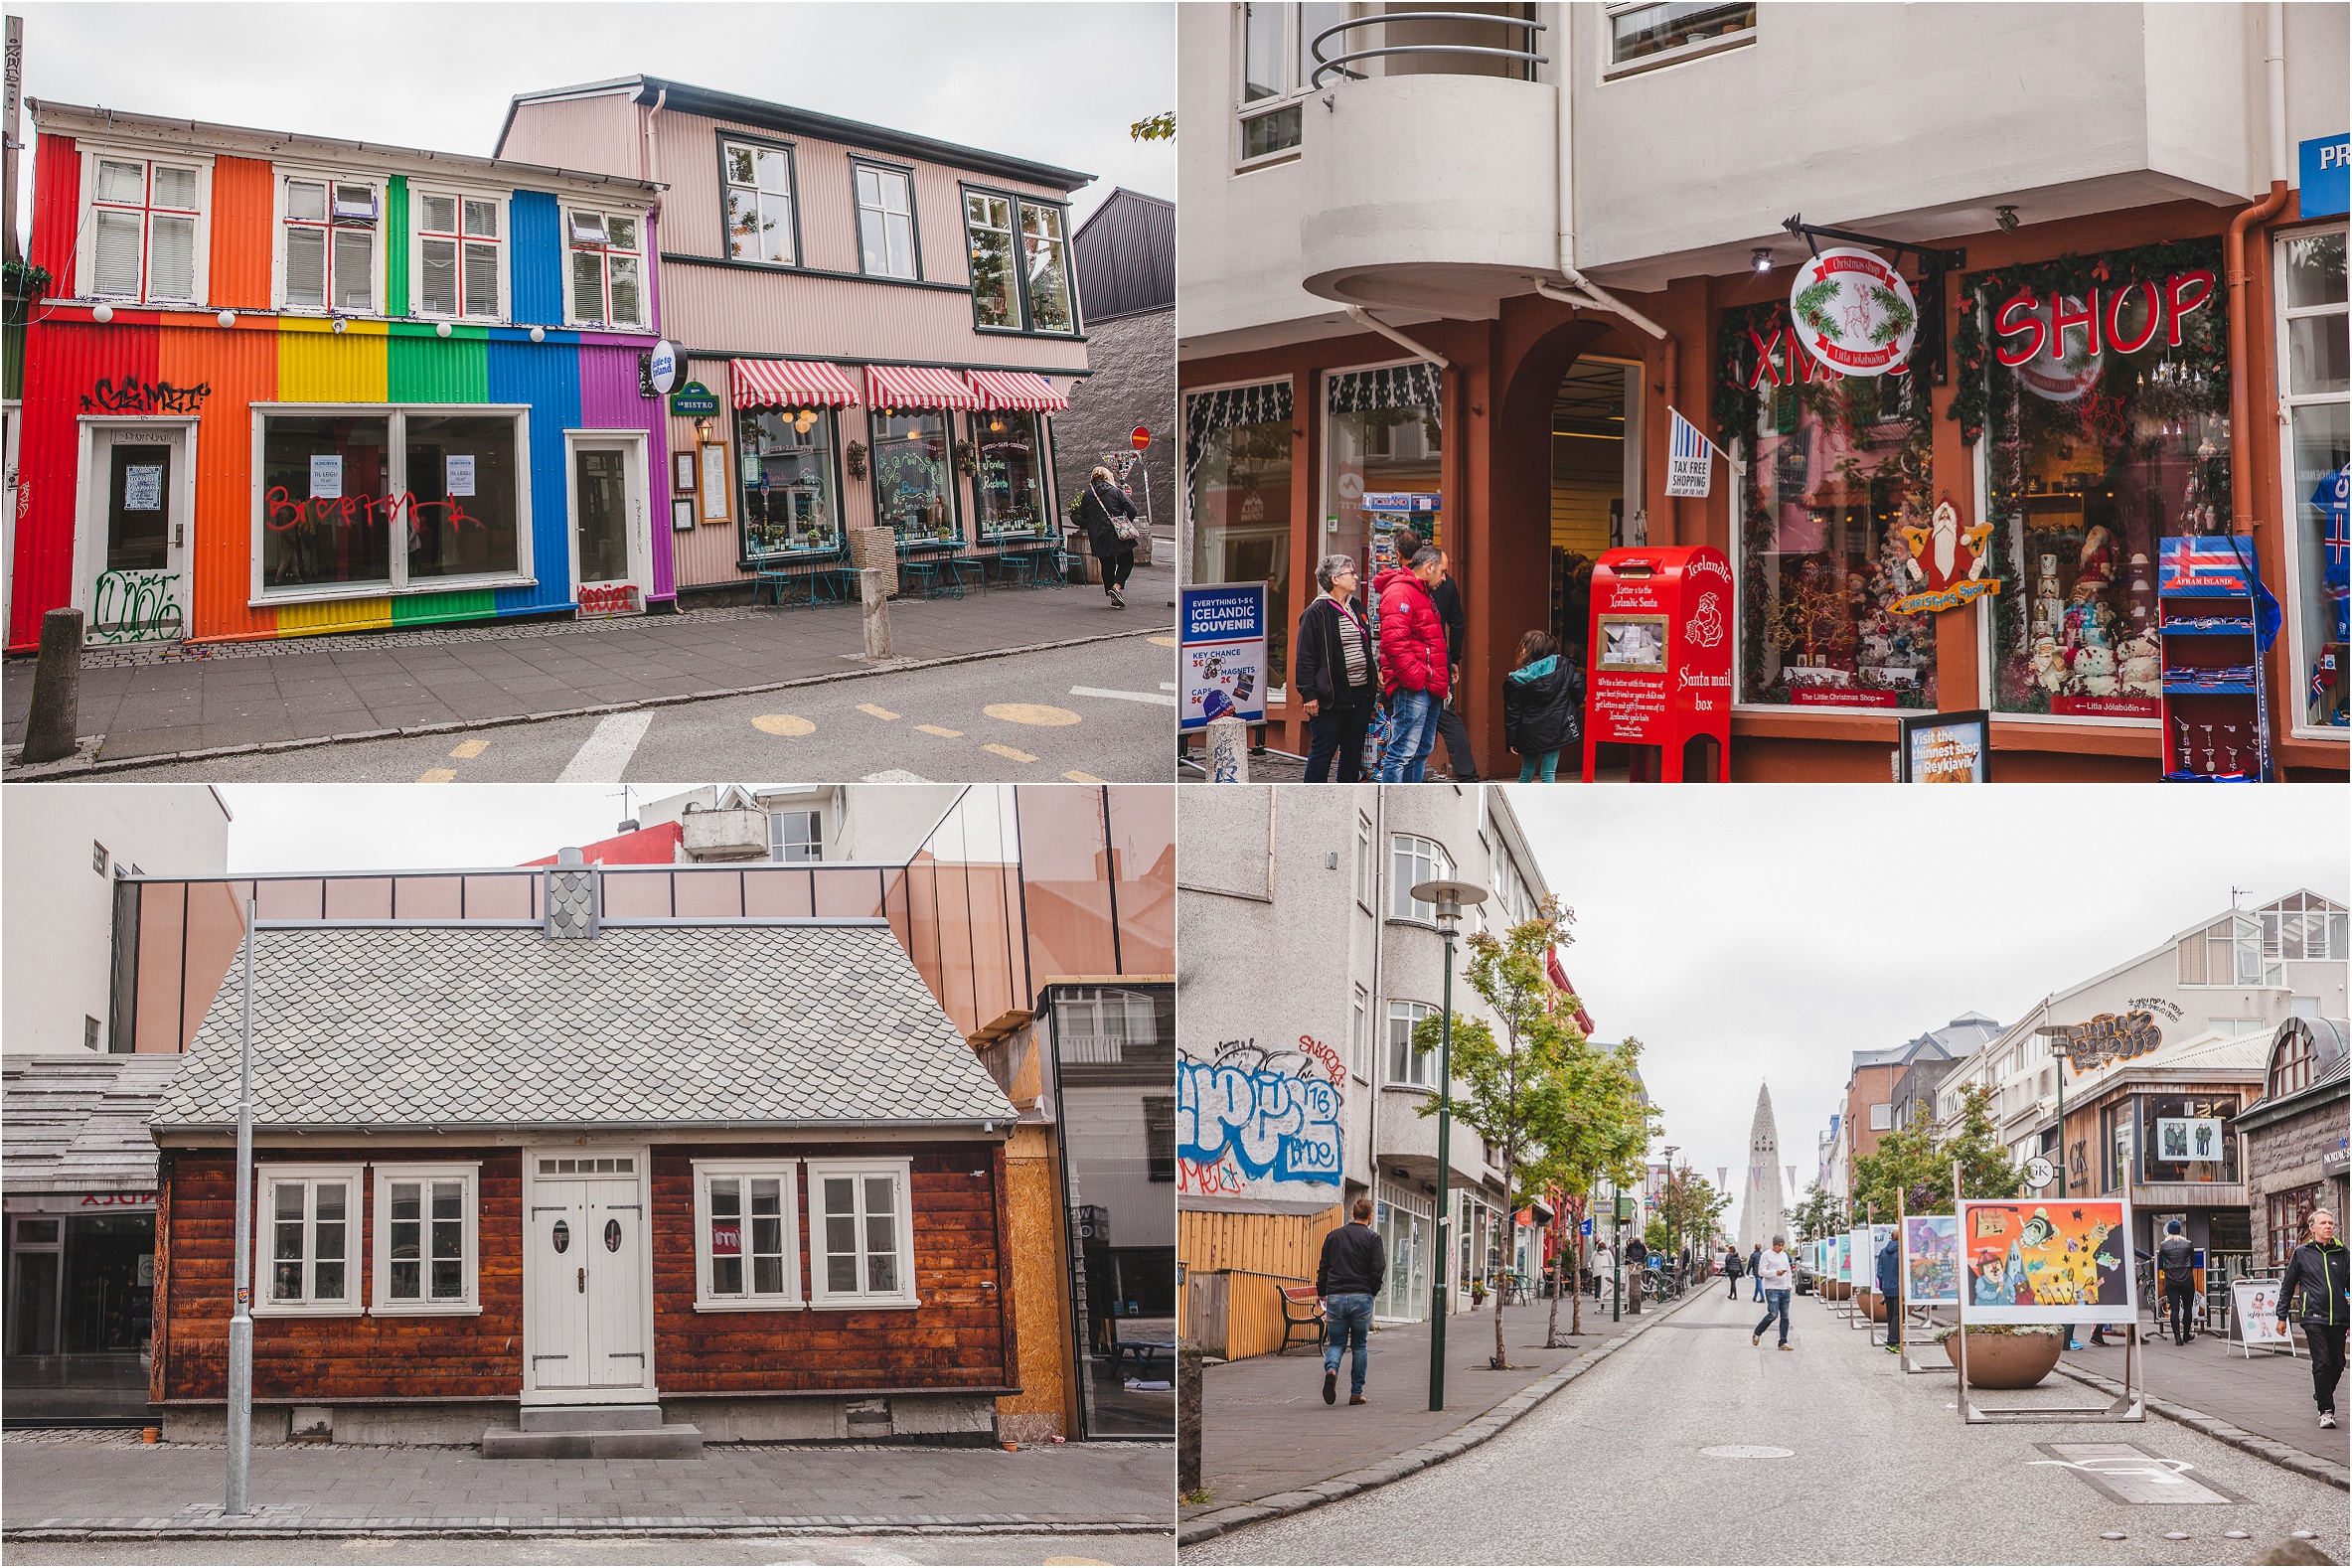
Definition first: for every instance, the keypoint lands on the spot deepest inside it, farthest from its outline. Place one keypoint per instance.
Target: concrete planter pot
(2006, 1360)
(1878, 1306)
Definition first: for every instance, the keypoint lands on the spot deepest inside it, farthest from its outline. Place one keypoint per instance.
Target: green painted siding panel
(395, 257)
(426, 608)
(421, 367)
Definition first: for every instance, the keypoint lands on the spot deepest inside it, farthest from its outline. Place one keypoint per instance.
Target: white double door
(588, 1284)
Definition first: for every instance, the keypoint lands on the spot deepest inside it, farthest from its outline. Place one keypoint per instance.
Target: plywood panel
(1035, 1255)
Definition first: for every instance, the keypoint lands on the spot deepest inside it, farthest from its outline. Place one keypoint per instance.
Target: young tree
(1916, 1162)
(1517, 1075)
(1690, 1208)
(1820, 1214)
(1607, 1130)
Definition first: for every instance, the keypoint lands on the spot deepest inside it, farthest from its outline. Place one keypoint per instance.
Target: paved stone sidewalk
(375, 682)
(2269, 1393)
(50, 1486)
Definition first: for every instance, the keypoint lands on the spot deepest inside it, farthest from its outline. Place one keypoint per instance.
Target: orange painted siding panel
(240, 367)
(242, 242)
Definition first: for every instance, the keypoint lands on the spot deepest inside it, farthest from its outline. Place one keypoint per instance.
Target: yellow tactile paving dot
(436, 775)
(1030, 713)
(944, 735)
(467, 750)
(1160, 641)
(1076, 777)
(1007, 752)
(879, 713)
(786, 724)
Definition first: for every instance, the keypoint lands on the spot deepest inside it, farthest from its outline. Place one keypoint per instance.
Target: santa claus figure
(1942, 553)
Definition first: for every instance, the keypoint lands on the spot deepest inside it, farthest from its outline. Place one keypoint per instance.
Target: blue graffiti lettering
(1262, 1111)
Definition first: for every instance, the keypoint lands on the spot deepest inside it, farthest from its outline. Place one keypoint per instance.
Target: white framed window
(759, 194)
(459, 254)
(860, 1233)
(607, 268)
(145, 231)
(1359, 1032)
(747, 1236)
(306, 1260)
(328, 254)
(1411, 861)
(1277, 68)
(1364, 862)
(1021, 263)
(1405, 1065)
(886, 222)
(2314, 342)
(796, 836)
(1645, 34)
(426, 1238)
(1882, 1118)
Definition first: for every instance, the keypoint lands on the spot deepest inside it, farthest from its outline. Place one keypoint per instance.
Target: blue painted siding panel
(547, 376)
(538, 262)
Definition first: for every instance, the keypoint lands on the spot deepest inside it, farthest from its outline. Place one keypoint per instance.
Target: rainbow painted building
(279, 385)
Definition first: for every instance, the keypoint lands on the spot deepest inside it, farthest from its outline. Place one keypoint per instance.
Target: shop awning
(792, 383)
(918, 386)
(1024, 390)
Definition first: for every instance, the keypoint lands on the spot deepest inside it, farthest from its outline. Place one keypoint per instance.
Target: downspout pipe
(1364, 318)
(652, 162)
(1581, 292)
(2234, 259)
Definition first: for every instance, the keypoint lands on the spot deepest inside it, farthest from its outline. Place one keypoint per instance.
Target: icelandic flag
(1691, 466)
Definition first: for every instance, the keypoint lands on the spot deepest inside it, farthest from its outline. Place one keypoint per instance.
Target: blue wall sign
(1221, 654)
(2325, 165)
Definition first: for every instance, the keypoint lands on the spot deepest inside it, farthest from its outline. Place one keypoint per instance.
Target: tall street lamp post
(1673, 1219)
(1449, 897)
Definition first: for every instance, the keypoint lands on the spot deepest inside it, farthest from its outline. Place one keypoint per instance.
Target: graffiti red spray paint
(612, 600)
(285, 512)
(1325, 1054)
(1208, 1179)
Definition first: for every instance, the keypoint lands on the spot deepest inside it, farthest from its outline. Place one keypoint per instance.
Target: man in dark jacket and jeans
(2315, 1286)
(2176, 1268)
(1354, 1265)
(1448, 599)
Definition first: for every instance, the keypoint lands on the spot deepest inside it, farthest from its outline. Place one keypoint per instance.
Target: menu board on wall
(715, 482)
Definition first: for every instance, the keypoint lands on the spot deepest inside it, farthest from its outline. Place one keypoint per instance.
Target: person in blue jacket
(1890, 1291)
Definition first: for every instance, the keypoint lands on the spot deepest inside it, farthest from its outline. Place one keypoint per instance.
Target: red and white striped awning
(1026, 391)
(791, 384)
(916, 387)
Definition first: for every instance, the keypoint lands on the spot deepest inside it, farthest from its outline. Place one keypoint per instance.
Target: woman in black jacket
(1337, 673)
(1097, 509)
(1541, 707)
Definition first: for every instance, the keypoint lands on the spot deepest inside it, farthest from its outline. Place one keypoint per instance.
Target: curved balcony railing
(1323, 65)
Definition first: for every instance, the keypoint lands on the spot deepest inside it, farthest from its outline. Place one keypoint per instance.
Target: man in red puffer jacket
(1413, 673)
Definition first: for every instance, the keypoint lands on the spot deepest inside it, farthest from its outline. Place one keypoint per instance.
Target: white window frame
(1410, 1014)
(283, 174)
(419, 234)
(822, 1297)
(859, 167)
(381, 1302)
(816, 839)
(1294, 93)
(1402, 905)
(1366, 892)
(1613, 69)
(606, 251)
(268, 1176)
(1359, 1036)
(783, 152)
(397, 584)
(787, 1173)
(87, 242)
(2299, 651)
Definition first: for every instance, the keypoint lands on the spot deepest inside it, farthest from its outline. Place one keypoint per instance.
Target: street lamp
(1449, 896)
(1673, 1216)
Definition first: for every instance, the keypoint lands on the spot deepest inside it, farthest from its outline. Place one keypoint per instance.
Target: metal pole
(1617, 1256)
(241, 1321)
(2062, 1131)
(1437, 1324)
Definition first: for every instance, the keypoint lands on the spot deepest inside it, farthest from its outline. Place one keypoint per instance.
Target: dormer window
(330, 245)
(607, 269)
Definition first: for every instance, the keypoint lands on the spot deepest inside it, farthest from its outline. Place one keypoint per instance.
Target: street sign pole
(1437, 1326)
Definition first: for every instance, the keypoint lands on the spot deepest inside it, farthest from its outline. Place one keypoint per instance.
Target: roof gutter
(988, 1125)
(1364, 318)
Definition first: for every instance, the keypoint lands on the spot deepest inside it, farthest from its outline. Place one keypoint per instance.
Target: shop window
(335, 485)
(607, 269)
(789, 506)
(35, 1260)
(1237, 487)
(1277, 68)
(460, 255)
(759, 223)
(1382, 436)
(1008, 489)
(427, 1252)
(310, 1224)
(865, 1256)
(2107, 403)
(1033, 293)
(460, 492)
(2115, 1138)
(2186, 1138)
(2316, 361)
(1413, 861)
(796, 836)
(1646, 34)
(747, 1235)
(2286, 1216)
(885, 222)
(326, 501)
(913, 487)
(143, 221)
(328, 244)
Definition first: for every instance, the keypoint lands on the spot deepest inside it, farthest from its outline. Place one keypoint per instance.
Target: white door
(611, 548)
(585, 1329)
(136, 527)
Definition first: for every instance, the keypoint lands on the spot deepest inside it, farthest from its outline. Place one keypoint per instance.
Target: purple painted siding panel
(609, 401)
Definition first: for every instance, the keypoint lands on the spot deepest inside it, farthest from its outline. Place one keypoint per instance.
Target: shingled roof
(76, 1122)
(649, 1026)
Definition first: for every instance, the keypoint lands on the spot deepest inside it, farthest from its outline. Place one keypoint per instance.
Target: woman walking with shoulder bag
(1107, 518)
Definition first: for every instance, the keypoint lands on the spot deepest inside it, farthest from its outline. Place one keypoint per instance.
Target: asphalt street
(594, 1551)
(1860, 1463)
(1102, 712)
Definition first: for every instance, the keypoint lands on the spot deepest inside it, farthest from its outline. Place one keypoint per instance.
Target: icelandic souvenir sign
(1931, 1260)
(1853, 312)
(2062, 1261)
(1222, 660)
(1948, 565)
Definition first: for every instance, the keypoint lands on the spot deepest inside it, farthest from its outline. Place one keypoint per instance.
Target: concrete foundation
(928, 1418)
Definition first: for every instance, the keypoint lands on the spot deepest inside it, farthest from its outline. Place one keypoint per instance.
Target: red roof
(1559, 980)
(654, 845)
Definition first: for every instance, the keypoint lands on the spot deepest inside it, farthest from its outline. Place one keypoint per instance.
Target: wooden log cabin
(589, 1186)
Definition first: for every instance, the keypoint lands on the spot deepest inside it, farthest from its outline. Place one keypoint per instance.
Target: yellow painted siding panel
(340, 615)
(1288, 1245)
(316, 364)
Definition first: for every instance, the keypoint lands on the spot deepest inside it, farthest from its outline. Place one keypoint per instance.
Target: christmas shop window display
(1838, 467)
(2101, 386)
(1238, 447)
(788, 482)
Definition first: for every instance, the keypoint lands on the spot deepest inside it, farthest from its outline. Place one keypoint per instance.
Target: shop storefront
(1405, 1219)
(277, 387)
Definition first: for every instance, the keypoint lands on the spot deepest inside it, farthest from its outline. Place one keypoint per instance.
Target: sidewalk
(109, 1482)
(2270, 1394)
(370, 682)
(1266, 1431)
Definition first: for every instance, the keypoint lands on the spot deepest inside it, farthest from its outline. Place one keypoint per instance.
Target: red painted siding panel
(64, 361)
(242, 207)
(57, 211)
(240, 364)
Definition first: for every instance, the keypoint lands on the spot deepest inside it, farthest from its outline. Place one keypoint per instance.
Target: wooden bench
(1302, 1309)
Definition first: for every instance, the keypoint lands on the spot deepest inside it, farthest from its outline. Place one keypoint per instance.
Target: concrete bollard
(55, 711)
(874, 596)
(1228, 751)
(1188, 1417)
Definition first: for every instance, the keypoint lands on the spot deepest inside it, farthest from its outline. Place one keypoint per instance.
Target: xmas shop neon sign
(2101, 316)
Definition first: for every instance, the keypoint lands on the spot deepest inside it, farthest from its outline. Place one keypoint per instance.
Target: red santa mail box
(1657, 661)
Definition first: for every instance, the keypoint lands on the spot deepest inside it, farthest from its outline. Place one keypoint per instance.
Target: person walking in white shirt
(1778, 1276)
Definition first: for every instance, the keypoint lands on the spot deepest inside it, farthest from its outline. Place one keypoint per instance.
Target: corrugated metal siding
(537, 260)
(709, 554)
(57, 211)
(1125, 256)
(609, 401)
(601, 133)
(423, 366)
(240, 367)
(424, 609)
(338, 616)
(242, 209)
(64, 361)
(316, 364)
(395, 245)
(546, 377)
(834, 318)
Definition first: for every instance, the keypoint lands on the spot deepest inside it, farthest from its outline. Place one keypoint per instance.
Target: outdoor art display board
(2064, 1260)
(2255, 1307)
(1862, 1265)
(1844, 1246)
(1931, 1260)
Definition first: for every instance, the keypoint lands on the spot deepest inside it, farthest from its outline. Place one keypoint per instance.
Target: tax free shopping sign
(1221, 654)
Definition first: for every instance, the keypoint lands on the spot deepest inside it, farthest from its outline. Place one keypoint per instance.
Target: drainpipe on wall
(652, 161)
(2234, 259)
(1377, 1023)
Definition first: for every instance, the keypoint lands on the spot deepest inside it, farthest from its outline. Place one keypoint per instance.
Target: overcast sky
(1057, 83)
(415, 827)
(1762, 933)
